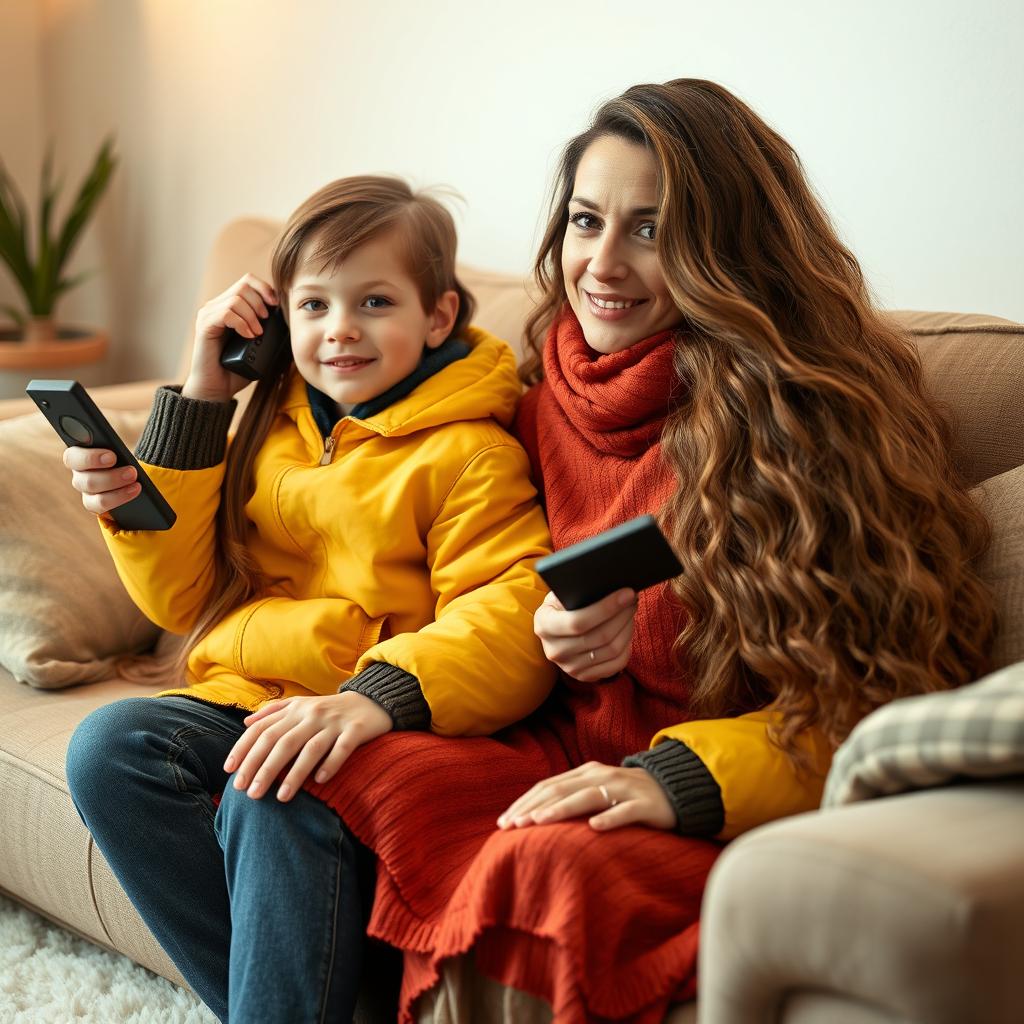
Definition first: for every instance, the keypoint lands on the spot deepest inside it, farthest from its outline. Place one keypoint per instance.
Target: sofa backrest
(973, 364)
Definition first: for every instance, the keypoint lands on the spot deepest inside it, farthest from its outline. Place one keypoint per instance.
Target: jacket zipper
(325, 459)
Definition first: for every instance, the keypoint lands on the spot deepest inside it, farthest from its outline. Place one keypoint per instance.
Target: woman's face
(613, 279)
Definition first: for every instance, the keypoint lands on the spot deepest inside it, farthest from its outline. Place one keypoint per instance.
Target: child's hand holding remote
(102, 488)
(241, 308)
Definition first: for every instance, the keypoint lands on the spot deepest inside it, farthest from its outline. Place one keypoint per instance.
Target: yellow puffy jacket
(410, 541)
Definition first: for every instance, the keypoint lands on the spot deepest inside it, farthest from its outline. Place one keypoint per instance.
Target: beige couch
(909, 908)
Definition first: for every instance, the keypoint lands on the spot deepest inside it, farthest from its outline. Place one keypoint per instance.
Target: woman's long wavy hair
(322, 232)
(826, 537)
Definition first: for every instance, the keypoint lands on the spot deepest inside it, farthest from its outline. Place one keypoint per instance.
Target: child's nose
(343, 327)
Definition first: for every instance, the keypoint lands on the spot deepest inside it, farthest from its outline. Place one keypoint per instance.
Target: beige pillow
(64, 615)
(1002, 567)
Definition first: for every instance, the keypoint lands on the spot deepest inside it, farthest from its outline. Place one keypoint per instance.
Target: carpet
(48, 976)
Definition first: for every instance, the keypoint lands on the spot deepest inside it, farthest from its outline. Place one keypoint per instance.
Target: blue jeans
(261, 905)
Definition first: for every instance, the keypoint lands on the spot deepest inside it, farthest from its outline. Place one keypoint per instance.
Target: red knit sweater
(603, 925)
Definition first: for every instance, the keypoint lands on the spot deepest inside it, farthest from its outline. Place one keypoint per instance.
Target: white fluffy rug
(48, 976)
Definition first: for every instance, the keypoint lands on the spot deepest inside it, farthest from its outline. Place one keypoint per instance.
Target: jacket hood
(483, 385)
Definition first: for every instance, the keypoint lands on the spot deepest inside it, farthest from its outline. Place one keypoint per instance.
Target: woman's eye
(586, 221)
(647, 227)
(378, 302)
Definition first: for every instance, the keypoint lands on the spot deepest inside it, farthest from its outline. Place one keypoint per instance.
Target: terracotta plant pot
(67, 346)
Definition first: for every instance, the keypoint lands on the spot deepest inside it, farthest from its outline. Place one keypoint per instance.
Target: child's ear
(445, 312)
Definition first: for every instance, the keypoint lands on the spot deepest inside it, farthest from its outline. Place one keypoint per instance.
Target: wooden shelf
(77, 348)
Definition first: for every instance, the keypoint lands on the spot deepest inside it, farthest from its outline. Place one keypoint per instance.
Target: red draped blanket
(603, 925)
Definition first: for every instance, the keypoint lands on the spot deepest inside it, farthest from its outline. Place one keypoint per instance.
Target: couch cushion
(47, 857)
(64, 615)
(974, 365)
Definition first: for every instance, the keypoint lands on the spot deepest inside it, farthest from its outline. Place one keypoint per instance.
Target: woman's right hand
(241, 308)
(102, 488)
(589, 643)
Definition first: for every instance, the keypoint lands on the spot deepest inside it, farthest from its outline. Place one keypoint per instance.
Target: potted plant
(40, 274)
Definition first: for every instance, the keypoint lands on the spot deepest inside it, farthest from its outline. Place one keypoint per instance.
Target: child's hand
(589, 643)
(102, 488)
(240, 307)
(312, 730)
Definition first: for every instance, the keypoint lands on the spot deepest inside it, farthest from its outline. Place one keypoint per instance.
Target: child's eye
(647, 226)
(378, 301)
(308, 302)
(586, 221)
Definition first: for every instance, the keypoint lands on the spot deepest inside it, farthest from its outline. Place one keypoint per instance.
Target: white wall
(909, 117)
(21, 110)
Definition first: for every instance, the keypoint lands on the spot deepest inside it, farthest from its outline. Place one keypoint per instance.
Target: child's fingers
(266, 709)
(240, 752)
(99, 481)
(252, 283)
(323, 743)
(100, 504)
(258, 303)
(267, 758)
(80, 459)
(240, 317)
(343, 747)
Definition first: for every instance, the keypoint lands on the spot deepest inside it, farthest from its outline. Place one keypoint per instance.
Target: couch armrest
(136, 395)
(910, 906)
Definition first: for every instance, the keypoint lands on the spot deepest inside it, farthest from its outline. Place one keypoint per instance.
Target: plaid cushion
(975, 731)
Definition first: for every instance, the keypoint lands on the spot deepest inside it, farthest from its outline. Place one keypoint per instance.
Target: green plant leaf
(88, 195)
(44, 269)
(16, 315)
(13, 234)
(67, 283)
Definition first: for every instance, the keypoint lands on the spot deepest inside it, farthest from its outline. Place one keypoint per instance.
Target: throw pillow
(65, 617)
(975, 731)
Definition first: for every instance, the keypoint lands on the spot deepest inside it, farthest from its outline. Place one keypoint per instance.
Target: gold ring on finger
(608, 799)
(593, 657)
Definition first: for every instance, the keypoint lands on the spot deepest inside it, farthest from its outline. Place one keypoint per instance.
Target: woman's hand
(590, 643)
(101, 487)
(612, 796)
(241, 308)
(313, 730)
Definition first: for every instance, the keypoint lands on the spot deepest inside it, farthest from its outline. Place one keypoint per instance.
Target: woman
(705, 350)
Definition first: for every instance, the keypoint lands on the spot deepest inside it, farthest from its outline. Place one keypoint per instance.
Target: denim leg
(141, 773)
(301, 888)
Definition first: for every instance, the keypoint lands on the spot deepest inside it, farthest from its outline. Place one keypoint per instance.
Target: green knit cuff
(691, 789)
(398, 692)
(185, 433)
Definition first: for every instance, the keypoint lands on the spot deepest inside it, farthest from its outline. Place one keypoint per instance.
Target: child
(361, 561)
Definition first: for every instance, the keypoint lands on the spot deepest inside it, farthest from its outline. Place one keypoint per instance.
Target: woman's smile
(610, 307)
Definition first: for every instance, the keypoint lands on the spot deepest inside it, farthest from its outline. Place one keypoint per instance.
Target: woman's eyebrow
(640, 211)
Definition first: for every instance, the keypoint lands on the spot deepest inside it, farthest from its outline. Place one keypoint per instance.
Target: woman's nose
(606, 263)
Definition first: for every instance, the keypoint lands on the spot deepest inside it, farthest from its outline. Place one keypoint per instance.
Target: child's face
(361, 328)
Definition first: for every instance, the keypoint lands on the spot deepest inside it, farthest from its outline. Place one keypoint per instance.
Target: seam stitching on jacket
(462, 472)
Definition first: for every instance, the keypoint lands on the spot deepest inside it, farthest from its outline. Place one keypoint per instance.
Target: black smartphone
(635, 555)
(73, 414)
(253, 358)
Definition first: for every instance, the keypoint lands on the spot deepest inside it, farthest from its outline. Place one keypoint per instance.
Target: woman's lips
(612, 313)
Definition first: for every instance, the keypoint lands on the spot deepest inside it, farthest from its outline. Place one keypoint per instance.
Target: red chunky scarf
(618, 402)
